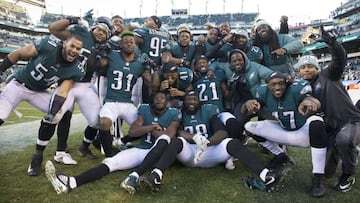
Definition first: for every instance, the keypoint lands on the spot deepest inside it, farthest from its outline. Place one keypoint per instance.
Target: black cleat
(85, 151)
(279, 160)
(344, 183)
(273, 178)
(35, 165)
(318, 189)
(153, 181)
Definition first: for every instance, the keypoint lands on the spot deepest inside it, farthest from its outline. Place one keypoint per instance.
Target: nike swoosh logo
(157, 182)
(270, 181)
(343, 187)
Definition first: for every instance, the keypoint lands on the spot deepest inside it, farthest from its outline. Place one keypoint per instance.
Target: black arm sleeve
(5, 64)
(338, 61)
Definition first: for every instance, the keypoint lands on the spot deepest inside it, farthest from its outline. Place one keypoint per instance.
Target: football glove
(327, 37)
(201, 141)
(198, 154)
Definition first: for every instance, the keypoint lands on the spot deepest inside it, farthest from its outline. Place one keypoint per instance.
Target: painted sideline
(16, 136)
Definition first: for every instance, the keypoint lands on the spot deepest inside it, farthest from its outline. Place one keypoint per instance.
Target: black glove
(103, 48)
(73, 20)
(327, 37)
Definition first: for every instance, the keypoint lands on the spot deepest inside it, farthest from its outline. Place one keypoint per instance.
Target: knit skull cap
(261, 22)
(307, 60)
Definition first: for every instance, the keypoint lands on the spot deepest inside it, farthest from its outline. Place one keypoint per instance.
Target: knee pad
(317, 134)
(46, 130)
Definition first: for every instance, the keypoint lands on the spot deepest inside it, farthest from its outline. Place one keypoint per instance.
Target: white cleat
(65, 158)
(59, 180)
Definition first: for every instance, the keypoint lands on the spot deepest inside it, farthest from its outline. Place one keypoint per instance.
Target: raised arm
(24, 53)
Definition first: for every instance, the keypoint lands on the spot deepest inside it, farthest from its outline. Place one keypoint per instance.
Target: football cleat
(318, 189)
(280, 160)
(58, 179)
(153, 181)
(35, 165)
(65, 158)
(84, 151)
(344, 184)
(273, 178)
(130, 184)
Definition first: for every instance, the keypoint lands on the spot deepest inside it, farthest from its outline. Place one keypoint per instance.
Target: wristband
(5, 64)
(73, 20)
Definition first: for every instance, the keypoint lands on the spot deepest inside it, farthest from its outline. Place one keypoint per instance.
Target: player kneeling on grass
(202, 142)
(156, 125)
(295, 124)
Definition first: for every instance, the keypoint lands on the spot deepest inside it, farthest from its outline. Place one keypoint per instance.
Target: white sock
(263, 174)
(159, 172)
(318, 158)
(272, 147)
(72, 182)
(134, 174)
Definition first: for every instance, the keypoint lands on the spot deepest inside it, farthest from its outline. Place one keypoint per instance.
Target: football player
(156, 125)
(276, 47)
(50, 61)
(82, 91)
(182, 53)
(175, 81)
(202, 142)
(295, 124)
(342, 118)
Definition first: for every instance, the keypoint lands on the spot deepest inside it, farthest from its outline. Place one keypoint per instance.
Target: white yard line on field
(16, 136)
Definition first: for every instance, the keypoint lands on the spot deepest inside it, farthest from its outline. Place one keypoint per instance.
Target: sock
(63, 131)
(273, 148)
(158, 171)
(134, 174)
(153, 156)
(72, 182)
(92, 174)
(318, 158)
(263, 174)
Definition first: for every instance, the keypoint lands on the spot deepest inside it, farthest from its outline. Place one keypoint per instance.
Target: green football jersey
(164, 120)
(200, 121)
(209, 89)
(154, 42)
(178, 52)
(46, 69)
(121, 77)
(286, 110)
(88, 46)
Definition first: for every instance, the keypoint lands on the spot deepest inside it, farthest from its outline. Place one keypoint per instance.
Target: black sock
(106, 142)
(89, 134)
(63, 131)
(92, 174)
(246, 157)
(169, 156)
(154, 155)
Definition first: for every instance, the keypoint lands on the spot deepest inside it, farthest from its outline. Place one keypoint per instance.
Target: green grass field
(180, 184)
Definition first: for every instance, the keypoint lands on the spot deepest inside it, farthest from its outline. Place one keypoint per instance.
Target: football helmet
(105, 24)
